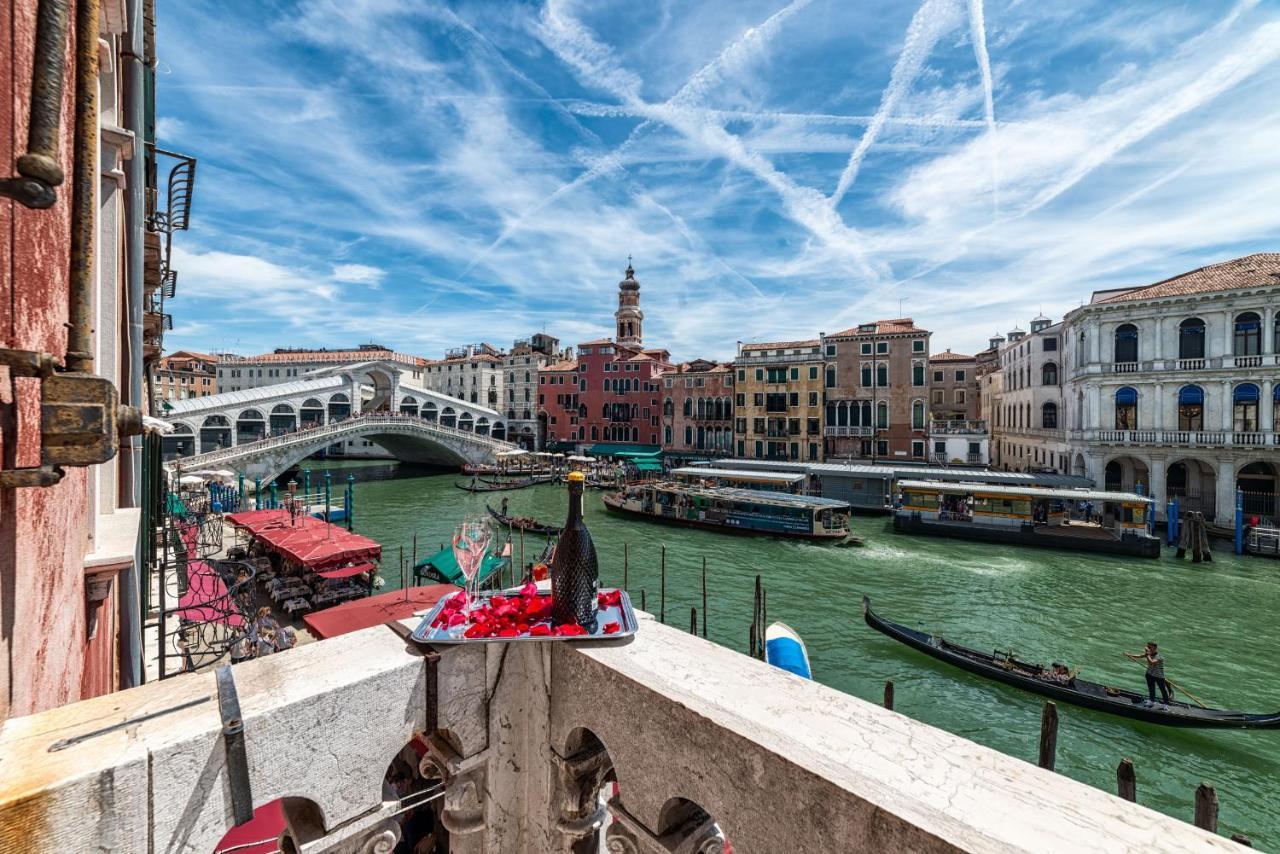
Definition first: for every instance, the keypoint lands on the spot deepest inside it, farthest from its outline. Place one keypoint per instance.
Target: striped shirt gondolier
(1155, 666)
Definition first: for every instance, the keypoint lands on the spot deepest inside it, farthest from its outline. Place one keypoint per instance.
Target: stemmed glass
(471, 541)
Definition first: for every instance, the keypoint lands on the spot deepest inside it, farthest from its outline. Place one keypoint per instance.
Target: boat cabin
(791, 483)
(743, 510)
(1084, 519)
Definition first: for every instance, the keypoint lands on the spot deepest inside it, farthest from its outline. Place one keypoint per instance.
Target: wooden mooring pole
(1126, 781)
(704, 596)
(693, 621)
(625, 567)
(1206, 808)
(888, 694)
(1048, 735)
(642, 604)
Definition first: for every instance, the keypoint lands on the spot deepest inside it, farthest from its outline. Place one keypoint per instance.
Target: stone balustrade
(524, 737)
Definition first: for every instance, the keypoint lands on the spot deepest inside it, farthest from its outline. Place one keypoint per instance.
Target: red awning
(313, 543)
(346, 571)
(375, 610)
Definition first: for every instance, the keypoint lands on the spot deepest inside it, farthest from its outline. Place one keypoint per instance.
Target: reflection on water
(1213, 623)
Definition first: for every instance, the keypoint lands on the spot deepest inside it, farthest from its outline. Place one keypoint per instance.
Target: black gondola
(533, 526)
(483, 486)
(1004, 667)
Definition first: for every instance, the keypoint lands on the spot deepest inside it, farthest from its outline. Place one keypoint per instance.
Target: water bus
(1080, 519)
(743, 511)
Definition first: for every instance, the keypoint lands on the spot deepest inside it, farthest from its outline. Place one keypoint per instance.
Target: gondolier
(1155, 671)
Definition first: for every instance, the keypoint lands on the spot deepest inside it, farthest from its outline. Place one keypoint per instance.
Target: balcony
(849, 431)
(521, 739)
(978, 426)
(1180, 438)
(1210, 363)
(1125, 367)
(791, 358)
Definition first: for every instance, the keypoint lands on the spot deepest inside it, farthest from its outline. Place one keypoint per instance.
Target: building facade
(1175, 387)
(877, 391)
(185, 374)
(778, 395)
(84, 269)
(521, 366)
(610, 393)
(697, 409)
(953, 387)
(1028, 431)
(473, 373)
(287, 364)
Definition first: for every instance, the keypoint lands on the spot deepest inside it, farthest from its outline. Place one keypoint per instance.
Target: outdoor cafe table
(297, 604)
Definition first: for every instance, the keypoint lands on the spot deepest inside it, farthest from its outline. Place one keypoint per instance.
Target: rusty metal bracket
(233, 739)
(38, 168)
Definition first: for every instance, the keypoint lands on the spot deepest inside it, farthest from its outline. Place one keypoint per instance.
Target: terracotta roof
(896, 326)
(781, 345)
(1259, 269)
(191, 354)
(595, 342)
(326, 356)
(948, 356)
(570, 365)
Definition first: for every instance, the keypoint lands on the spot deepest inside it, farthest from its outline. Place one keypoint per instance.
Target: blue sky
(425, 175)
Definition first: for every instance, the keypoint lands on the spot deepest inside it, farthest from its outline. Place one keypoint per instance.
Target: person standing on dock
(1155, 671)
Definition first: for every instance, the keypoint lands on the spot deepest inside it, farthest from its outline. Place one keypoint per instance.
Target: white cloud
(359, 274)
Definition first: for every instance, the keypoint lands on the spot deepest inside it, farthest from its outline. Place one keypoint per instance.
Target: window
(740, 425)
(937, 376)
(917, 449)
(917, 346)
(1049, 374)
(759, 375)
(831, 349)
(1127, 409)
(882, 448)
(793, 399)
(960, 375)
(882, 347)
(1050, 345)
(813, 398)
(1126, 341)
(795, 373)
(1248, 334)
(917, 374)
(793, 426)
(812, 427)
(917, 415)
(866, 348)
(758, 399)
(757, 425)
(940, 449)
(1191, 338)
(882, 415)
(1191, 408)
(882, 375)
(813, 372)
(831, 377)
(1244, 399)
(742, 376)
(866, 376)
(939, 396)
(1049, 416)
(960, 396)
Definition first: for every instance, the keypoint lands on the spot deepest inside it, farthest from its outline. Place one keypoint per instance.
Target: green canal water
(1214, 623)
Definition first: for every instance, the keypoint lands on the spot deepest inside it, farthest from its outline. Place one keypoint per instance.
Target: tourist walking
(1155, 671)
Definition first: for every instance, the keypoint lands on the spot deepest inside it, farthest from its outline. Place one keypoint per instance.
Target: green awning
(643, 464)
(443, 567)
(625, 451)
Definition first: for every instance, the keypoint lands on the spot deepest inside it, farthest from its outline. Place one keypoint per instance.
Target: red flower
(612, 628)
(609, 599)
(541, 630)
(570, 630)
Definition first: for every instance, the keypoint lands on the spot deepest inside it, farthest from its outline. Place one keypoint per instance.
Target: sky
(426, 175)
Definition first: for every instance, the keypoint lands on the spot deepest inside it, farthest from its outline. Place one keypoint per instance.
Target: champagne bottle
(575, 573)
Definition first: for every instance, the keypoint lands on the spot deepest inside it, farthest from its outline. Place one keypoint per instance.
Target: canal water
(1214, 623)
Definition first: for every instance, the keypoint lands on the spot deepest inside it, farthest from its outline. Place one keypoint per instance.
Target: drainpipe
(79, 358)
(135, 227)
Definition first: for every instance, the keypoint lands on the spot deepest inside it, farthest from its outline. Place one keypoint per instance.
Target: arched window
(882, 415)
(668, 408)
(1248, 334)
(1191, 408)
(688, 407)
(1049, 416)
(1126, 343)
(1049, 374)
(1275, 336)
(1127, 409)
(702, 408)
(1191, 338)
(1244, 400)
(917, 415)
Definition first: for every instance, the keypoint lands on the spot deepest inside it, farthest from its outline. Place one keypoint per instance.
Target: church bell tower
(629, 316)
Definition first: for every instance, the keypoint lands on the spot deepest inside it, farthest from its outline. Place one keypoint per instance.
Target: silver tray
(622, 614)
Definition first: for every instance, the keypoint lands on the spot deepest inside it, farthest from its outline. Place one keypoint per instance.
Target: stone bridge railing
(358, 425)
(524, 736)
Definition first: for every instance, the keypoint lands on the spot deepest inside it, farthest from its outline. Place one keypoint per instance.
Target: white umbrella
(579, 459)
(191, 480)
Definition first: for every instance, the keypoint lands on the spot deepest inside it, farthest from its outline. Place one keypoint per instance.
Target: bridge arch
(466, 422)
(448, 418)
(499, 431)
(409, 405)
(339, 406)
(430, 411)
(283, 419)
(250, 427)
(215, 432)
(482, 426)
(180, 443)
(311, 413)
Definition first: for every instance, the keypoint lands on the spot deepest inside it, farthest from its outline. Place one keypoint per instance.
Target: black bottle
(575, 573)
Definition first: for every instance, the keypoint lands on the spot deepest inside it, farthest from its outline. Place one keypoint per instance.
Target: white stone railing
(357, 424)
(524, 736)
(1180, 438)
(831, 430)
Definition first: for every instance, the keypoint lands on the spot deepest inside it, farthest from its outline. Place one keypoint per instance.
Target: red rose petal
(541, 630)
(611, 628)
(456, 619)
(508, 632)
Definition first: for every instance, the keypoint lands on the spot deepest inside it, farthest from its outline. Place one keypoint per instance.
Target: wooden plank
(1048, 735)
(1126, 781)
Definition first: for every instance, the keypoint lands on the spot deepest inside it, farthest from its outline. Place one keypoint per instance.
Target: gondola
(484, 486)
(533, 526)
(1004, 667)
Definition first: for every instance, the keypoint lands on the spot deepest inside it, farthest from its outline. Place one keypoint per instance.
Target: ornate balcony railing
(958, 426)
(756, 359)
(521, 741)
(849, 431)
(1180, 438)
(1125, 367)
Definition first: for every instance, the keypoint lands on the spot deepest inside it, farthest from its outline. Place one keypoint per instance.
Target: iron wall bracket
(233, 740)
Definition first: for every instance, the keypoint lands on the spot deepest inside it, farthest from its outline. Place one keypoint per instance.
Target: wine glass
(471, 541)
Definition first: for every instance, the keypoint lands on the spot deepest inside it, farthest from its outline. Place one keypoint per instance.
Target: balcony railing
(1125, 367)
(1196, 364)
(958, 427)
(1248, 361)
(790, 358)
(520, 739)
(1180, 438)
(849, 431)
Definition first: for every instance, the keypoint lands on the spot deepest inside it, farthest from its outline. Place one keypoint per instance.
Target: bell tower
(629, 316)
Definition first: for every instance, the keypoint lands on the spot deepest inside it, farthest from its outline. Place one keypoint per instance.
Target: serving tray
(622, 614)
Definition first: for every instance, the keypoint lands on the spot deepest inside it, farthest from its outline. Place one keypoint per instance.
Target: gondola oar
(1175, 686)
